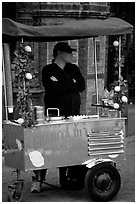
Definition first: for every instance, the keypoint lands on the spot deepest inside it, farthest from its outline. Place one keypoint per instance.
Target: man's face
(66, 57)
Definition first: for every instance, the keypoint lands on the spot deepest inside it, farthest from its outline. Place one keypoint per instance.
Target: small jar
(40, 118)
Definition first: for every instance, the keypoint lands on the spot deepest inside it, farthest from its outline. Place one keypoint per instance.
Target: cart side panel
(68, 144)
(14, 146)
(56, 143)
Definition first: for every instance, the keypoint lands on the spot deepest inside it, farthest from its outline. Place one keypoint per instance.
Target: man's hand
(53, 78)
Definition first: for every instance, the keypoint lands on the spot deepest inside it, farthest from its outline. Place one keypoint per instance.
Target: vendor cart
(91, 144)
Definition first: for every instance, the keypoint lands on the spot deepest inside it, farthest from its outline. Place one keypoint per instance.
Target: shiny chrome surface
(102, 143)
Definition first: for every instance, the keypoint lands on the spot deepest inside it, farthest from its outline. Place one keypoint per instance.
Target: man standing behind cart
(63, 83)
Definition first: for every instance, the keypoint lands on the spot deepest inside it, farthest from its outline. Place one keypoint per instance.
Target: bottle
(111, 95)
(105, 97)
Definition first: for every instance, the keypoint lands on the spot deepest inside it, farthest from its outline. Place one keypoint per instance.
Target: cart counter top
(75, 119)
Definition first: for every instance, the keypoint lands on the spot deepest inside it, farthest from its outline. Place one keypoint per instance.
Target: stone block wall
(63, 9)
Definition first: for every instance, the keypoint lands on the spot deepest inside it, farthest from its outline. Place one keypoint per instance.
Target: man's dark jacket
(63, 92)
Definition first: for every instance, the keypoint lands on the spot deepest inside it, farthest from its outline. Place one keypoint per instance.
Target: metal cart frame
(92, 145)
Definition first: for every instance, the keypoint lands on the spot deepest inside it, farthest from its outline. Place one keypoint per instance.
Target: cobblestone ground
(49, 194)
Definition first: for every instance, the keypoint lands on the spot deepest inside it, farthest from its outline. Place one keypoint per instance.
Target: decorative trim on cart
(36, 158)
(92, 162)
(106, 143)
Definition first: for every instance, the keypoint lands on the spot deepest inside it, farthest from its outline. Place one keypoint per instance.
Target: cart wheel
(102, 182)
(72, 178)
(15, 192)
(14, 196)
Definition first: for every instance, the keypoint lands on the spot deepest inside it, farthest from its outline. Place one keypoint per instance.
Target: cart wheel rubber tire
(102, 182)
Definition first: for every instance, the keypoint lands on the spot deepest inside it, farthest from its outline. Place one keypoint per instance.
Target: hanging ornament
(20, 120)
(116, 105)
(124, 99)
(28, 76)
(23, 75)
(117, 88)
(115, 43)
(27, 48)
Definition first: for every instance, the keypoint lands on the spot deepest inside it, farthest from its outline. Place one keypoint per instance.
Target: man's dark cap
(64, 47)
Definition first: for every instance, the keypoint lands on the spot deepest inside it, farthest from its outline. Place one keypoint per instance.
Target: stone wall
(28, 10)
(43, 13)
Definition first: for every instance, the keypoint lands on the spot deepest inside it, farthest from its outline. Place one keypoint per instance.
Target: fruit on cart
(102, 182)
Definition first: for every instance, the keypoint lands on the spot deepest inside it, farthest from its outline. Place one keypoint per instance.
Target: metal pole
(96, 76)
(5, 92)
(119, 56)
(8, 80)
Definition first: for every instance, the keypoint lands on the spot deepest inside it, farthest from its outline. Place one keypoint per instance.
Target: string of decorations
(23, 74)
(117, 96)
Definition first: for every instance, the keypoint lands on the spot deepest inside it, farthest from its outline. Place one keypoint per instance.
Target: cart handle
(52, 109)
(103, 106)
